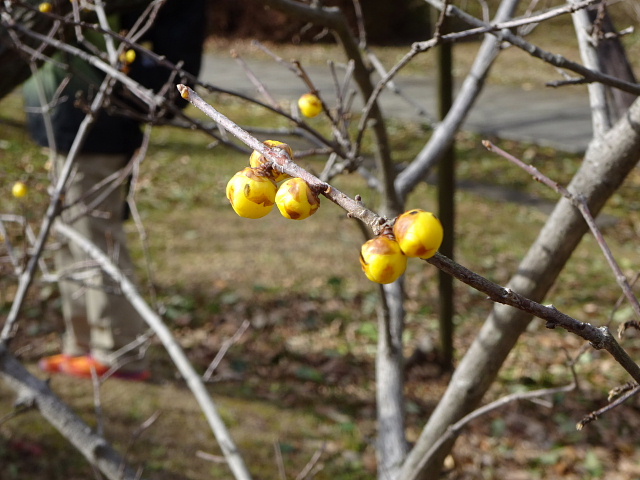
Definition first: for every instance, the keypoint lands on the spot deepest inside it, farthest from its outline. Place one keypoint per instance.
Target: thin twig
(598, 413)
(279, 461)
(454, 430)
(282, 161)
(257, 83)
(226, 345)
(580, 203)
(303, 475)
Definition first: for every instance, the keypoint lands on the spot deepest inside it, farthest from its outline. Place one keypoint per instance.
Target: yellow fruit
(296, 200)
(130, 56)
(382, 260)
(256, 159)
(19, 190)
(418, 233)
(310, 105)
(45, 7)
(252, 194)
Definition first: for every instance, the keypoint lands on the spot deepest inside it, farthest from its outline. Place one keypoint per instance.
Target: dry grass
(303, 374)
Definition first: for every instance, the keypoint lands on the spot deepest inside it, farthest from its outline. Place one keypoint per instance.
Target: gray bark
(597, 91)
(392, 446)
(606, 164)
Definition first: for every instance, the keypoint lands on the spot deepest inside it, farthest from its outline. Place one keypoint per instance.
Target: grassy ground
(301, 378)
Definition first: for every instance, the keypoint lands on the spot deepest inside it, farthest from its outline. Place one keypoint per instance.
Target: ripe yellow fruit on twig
(310, 105)
(419, 233)
(257, 159)
(251, 193)
(19, 190)
(296, 200)
(45, 7)
(130, 56)
(382, 260)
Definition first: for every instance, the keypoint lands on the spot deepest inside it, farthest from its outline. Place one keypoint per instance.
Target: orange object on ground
(84, 365)
(53, 363)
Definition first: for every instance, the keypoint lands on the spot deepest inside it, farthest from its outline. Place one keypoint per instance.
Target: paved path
(550, 117)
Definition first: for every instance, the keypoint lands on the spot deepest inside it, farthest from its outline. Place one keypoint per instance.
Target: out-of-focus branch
(26, 13)
(194, 382)
(600, 118)
(548, 57)
(443, 135)
(33, 391)
(53, 209)
(333, 19)
(145, 94)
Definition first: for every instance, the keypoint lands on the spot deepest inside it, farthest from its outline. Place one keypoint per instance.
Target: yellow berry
(296, 200)
(418, 233)
(130, 56)
(382, 260)
(310, 105)
(45, 7)
(19, 190)
(252, 194)
(256, 159)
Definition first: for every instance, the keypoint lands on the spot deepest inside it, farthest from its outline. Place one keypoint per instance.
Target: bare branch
(548, 57)
(92, 446)
(598, 413)
(194, 382)
(580, 203)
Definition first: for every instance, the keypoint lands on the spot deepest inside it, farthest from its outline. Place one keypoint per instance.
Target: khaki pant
(98, 318)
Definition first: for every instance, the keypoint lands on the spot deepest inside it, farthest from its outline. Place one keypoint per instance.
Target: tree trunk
(600, 119)
(614, 61)
(391, 446)
(606, 165)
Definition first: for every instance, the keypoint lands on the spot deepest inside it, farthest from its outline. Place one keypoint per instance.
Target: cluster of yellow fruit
(254, 190)
(416, 233)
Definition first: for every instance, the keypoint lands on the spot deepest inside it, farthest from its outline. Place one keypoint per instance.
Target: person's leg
(70, 263)
(110, 322)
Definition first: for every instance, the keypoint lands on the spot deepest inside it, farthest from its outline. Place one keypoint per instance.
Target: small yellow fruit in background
(257, 159)
(19, 190)
(130, 56)
(45, 7)
(419, 233)
(310, 105)
(382, 260)
(252, 194)
(296, 200)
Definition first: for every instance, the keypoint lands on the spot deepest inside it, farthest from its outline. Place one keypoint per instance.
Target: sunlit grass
(301, 286)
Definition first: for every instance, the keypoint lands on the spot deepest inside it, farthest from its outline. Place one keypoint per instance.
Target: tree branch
(91, 445)
(194, 382)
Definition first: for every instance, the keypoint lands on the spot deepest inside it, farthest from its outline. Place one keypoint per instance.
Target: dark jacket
(177, 33)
